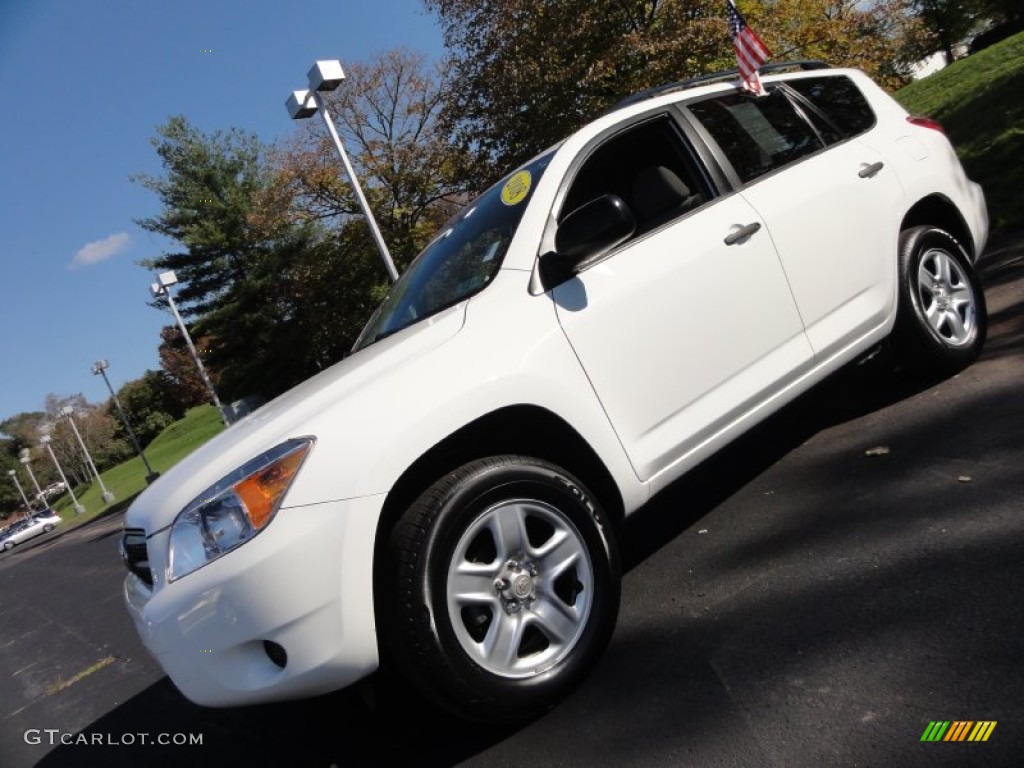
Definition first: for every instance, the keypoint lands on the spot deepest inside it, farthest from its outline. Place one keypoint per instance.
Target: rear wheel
(505, 586)
(942, 318)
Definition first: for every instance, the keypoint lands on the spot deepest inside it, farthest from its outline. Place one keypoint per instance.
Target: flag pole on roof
(751, 52)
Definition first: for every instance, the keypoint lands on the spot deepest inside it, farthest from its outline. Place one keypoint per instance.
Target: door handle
(742, 234)
(868, 171)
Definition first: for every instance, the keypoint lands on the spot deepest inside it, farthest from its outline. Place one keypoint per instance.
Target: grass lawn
(127, 479)
(979, 101)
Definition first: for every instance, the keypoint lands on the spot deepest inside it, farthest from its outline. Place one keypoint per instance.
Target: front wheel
(8, 545)
(503, 588)
(942, 319)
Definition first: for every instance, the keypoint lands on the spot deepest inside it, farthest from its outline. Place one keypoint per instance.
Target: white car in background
(23, 530)
(578, 337)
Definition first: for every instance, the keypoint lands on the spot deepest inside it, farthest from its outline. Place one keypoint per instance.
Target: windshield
(461, 260)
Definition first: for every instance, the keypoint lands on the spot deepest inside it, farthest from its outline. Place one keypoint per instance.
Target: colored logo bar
(958, 730)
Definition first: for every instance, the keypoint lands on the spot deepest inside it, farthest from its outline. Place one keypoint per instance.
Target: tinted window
(757, 135)
(840, 100)
(649, 166)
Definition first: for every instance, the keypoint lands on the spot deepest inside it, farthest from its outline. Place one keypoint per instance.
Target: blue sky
(84, 83)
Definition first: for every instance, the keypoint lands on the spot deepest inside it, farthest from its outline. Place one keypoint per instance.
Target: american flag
(751, 52)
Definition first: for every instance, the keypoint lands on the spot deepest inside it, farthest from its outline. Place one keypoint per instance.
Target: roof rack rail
(716, 77)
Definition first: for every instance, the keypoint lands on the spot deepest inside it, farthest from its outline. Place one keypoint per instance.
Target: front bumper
(305, 583)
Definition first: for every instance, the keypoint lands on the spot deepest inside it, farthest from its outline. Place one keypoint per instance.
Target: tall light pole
(45, 440)
(326, 76)
(162, 288)
(14, 476)
(68, 411)
(25, 457)
(100, 368)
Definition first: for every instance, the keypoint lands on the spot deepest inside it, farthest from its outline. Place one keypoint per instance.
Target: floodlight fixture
(25, 457)
(161, 288)
(99, 368)
(325, 75)
(46, 440)
(106, 495)
(14, 476)
(300, 105)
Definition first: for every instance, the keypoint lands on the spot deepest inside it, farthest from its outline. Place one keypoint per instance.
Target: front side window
(461, 260)
(757, 135)
(650, 167)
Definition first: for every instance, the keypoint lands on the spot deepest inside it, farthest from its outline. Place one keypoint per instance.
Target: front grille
(134, 554)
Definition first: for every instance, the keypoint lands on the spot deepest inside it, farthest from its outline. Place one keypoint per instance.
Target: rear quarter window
(840, 100)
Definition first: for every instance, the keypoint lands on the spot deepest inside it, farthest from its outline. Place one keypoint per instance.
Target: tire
(47, 528)
(942, 320)
(503, 588)
(8, 545)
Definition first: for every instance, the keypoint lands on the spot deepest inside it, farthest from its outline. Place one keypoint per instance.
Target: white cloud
(100, 250)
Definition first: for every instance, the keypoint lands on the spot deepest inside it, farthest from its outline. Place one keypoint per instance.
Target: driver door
(681, 333)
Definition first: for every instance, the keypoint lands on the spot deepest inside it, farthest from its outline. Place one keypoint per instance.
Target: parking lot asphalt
(815, 595)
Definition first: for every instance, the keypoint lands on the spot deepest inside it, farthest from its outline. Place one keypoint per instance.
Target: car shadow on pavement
(851, 393)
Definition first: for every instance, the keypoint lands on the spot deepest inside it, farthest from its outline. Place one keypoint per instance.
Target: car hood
(289, 415)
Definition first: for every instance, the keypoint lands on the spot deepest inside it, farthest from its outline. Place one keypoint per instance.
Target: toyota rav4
(587, 330)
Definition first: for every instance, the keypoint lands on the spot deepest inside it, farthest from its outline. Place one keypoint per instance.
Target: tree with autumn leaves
(531, 72)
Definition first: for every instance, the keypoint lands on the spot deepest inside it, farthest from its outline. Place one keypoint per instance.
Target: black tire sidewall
(481, 486)
(918, 343)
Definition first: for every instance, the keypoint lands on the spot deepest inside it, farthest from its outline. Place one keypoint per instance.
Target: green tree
(950, 21)
(178, 366)
(208, 196)
(150, 404)
(234, 260)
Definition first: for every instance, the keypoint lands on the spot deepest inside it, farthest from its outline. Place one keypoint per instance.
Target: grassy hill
(127, 479)
(980, 102)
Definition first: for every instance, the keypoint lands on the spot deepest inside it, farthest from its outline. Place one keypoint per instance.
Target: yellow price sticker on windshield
(516, 188)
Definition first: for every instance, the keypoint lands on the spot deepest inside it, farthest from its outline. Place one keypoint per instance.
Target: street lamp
(162, 288)
(14, 476)
(45, 440)
(100, 368)
(25, 456)
(326, 76)
(68, 411)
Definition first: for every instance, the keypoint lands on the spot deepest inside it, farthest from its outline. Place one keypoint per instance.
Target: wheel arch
(518, 429)
(939, 211)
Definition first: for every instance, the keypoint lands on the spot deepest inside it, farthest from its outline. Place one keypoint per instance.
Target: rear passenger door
(830, 203)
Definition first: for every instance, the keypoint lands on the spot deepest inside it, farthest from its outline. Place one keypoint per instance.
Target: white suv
(578, 337)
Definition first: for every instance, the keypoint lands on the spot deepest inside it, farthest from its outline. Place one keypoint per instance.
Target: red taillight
(926, 122)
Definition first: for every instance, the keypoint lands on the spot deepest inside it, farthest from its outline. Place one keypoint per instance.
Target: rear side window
(839, 100)
(757, 135)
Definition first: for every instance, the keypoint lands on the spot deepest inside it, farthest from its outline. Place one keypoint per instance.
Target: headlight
(232, 511)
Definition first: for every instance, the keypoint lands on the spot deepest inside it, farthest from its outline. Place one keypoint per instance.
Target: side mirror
(592, 230)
